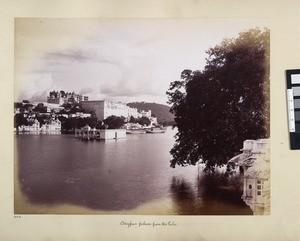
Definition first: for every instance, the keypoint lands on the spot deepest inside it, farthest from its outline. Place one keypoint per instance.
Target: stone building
(53, 126)
(35, 127)
(62, 97)
(104, 109)
(254, 163)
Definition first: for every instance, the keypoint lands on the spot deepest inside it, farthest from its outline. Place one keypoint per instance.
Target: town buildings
(35, 127)
(30, 113)
(27, 108)
(53, 126)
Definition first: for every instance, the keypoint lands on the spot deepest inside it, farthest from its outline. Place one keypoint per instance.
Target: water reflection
(111, 175)
(213, 195)
(117, 176)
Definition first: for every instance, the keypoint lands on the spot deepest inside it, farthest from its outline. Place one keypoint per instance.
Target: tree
(70, 124)
(75, 109)
(20, 120)
(114, 122)
(228, 102)
(40, 108)
(42, 120)
(91, 122)
(144, 121)
(133, 120)
(63, 111)
(67, 106)
(62, 93)
(28, 106)
(18, 105)
(62, 119)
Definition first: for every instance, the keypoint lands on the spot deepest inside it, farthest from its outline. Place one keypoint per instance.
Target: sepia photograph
(142, 116)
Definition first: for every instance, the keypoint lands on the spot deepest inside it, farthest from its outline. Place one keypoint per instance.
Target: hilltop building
(62, 97)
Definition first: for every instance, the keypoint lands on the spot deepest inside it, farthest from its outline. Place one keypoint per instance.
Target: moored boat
(135, 131)
(155, 130)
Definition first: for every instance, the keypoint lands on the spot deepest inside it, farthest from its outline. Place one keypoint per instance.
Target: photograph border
(285, 54)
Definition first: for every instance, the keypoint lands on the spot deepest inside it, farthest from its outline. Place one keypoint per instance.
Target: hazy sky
(118, 59)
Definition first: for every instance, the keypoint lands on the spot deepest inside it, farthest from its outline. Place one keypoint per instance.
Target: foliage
(69, 124)
(42, 119)
(133, 120)
(228, 102)
(40, 108)
(20, 120)
(75, 109)
(67, 106)
(62, 119)
(144, 121)
(114, 122)
(63, 111)
(18, 104)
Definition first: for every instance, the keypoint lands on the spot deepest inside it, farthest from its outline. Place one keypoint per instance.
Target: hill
(162, 112)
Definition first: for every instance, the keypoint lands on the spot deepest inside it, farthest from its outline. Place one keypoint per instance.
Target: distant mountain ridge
(162, 112)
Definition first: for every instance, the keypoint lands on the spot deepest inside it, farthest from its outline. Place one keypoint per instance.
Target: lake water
(118, 175)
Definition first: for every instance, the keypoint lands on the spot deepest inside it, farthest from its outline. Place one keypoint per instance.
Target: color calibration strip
(293, 99)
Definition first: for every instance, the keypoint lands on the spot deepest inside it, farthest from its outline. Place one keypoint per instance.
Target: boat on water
(156, 130)
(135, 131)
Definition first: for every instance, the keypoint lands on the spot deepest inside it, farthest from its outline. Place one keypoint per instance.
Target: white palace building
(104, 109)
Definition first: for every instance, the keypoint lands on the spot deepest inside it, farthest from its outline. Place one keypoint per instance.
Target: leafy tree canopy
(144, 121)
(67, 106)
(216, 109)
(114, 122)
(20, 120)
(18, 104)
(133, 120)
(40, 108)
(69, 124)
